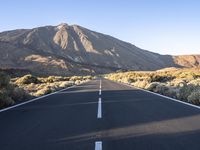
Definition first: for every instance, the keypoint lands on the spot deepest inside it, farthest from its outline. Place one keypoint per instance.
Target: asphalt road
(117, 117)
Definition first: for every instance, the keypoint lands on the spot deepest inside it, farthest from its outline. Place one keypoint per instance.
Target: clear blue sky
(164, 26)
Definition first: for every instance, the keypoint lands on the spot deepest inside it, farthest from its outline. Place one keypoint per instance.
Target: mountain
(187, 60)
(72, 49)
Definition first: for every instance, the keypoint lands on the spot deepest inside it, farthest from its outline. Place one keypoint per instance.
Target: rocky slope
(187, 60)
(66, 50)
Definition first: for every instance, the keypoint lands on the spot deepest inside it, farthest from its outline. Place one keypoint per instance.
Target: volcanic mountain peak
(62, 25)
(80, 50)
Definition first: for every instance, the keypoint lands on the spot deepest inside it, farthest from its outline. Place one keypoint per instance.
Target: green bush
(5, 100)
(5, 90)
(185, 91)
(9, 94)
(19, 94)
(4, 79)
(194, 97)
(171, 92)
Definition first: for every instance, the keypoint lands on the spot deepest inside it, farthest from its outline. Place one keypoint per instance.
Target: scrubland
(14, 90)
(182, 84)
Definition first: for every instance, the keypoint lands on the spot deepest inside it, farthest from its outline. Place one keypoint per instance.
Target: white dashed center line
(98, 145)
(99, 112)
(100, 84)
(100, 92)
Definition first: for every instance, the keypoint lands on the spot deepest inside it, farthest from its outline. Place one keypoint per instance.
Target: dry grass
(10, 93)
(27, 79)
(29, 86)
(38, 86)
(183, 84)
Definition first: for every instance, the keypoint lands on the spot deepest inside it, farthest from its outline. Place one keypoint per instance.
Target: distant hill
(187, 60)
(67, 50)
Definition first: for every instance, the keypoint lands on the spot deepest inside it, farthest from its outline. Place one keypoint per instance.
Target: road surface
(101, 115)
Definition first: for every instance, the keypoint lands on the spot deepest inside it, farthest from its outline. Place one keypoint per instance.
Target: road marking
(169, 98)
(99, 112)
(99, 91)
(166, 97)
(100, 87)
(100, 84)
(98, 145)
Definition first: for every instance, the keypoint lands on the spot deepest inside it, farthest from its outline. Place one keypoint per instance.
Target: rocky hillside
(66, 50)
(187, 60)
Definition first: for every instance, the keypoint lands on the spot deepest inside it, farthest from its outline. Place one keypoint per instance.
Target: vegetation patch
(10, 93)
(13, 90)
(182, 84)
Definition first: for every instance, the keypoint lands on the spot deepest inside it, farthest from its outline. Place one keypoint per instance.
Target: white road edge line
(169, 98)
(99, 111)
(98, 145)
(35, 99)
(173, 99)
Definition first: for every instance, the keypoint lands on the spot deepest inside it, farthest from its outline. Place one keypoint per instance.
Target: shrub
(50, 79)
(5, 100)
(159, 78)
(162, 89)
(183, 84)
(45, 90)
(194, 97)
(31, 85)
(87, 78)
(195, 82)
(124, 80)
(152, 86)
(185, 91)
(66, 84)
(77, 82)
(187, 75)
(140, 84)
(171, 92)
(4, 79)
(27, 79)
(66, 78)
(177, 83)
(74, 78)
(18, 94)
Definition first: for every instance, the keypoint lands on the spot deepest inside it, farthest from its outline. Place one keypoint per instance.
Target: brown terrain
(72, 49)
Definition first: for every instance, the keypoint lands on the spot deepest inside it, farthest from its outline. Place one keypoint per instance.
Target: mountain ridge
(72, 49)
